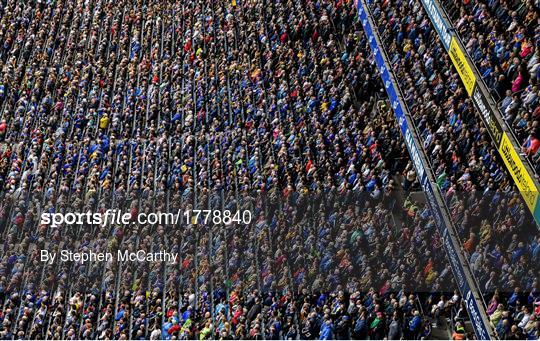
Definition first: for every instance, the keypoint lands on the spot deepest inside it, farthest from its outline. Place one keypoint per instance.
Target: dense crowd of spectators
(502, 243)
(267, 106)
(503, 39)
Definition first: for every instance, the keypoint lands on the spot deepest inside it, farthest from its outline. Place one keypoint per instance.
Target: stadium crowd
(267, 106)
(503, 38)
(502, 243)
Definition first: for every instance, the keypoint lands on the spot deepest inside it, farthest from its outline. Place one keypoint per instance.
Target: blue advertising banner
(439, 22)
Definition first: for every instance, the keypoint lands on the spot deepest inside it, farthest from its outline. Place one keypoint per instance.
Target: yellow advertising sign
(519, 174)
(462, 66)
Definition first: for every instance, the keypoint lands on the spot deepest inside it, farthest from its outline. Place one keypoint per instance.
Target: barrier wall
(461, 272)
(523, 178)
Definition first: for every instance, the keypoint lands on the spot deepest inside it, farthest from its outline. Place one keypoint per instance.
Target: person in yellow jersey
(104, 121)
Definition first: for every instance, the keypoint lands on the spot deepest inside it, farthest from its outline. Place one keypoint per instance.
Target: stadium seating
(154, 106)
(273, 107)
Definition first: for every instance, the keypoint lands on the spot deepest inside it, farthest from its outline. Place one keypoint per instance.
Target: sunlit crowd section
(273, 107)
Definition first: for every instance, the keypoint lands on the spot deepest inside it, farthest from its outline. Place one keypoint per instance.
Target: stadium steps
(442, 331)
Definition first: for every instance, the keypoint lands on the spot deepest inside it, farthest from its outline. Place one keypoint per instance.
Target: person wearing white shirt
(526, 317)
